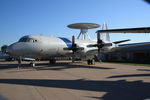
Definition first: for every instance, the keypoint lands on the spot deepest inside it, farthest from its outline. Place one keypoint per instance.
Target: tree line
(4, 48)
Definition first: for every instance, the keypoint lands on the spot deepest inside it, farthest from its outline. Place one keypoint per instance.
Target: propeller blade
(107, 44)
(73, 39)
(98, 36)
(92, 45)
(99, 49)
(117, 42)
(80, 48)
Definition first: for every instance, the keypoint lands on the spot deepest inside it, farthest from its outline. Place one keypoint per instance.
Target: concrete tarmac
(74, 81)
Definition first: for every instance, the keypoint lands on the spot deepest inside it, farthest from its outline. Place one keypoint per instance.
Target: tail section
(104, 36)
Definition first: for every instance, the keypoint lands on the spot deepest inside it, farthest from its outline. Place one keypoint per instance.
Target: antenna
(83, 29)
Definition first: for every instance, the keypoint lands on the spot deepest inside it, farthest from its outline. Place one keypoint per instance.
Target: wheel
(52, 61)
(88, 62)
(32, 64)
(91, 62)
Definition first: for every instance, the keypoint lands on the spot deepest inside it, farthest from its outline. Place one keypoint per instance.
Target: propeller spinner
(100, 44)
(74, 48)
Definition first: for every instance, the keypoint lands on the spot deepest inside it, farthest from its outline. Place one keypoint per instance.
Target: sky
(51, 17)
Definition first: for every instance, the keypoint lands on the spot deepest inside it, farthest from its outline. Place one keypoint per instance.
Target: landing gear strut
(19, 62)
(91, 62)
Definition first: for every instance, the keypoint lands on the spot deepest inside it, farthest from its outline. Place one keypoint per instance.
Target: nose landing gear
(19, 62)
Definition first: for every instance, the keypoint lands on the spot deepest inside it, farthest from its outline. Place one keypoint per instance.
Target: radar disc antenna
(83, 29)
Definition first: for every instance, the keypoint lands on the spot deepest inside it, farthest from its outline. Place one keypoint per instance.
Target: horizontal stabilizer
(117, 42)
(126, 30)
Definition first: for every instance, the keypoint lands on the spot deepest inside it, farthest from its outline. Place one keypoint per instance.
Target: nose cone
(16, 49)
(10, 49)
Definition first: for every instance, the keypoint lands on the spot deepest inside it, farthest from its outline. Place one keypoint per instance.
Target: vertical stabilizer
(104, 36)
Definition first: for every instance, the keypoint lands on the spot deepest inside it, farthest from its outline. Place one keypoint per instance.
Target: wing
(92, 51)
(126, 30)
(131, 47)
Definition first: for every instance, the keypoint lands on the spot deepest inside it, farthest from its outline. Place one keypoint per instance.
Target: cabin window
(30, 40)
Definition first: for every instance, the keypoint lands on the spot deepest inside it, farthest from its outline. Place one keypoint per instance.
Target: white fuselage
(45, 47)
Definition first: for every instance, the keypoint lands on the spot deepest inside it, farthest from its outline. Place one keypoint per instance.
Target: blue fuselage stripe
(67, 41)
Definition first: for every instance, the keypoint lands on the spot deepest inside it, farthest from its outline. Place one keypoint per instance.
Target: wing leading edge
(126, 30)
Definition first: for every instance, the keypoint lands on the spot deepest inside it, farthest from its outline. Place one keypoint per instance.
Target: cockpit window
(26, 39)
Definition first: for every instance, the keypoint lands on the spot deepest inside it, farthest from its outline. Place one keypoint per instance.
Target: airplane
(34, 46)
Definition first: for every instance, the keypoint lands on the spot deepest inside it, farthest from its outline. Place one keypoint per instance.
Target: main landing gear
(90, 61)
(32, 64)
(52, 61)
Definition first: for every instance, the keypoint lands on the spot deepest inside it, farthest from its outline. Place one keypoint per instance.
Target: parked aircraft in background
(50, 47)
(5, 56)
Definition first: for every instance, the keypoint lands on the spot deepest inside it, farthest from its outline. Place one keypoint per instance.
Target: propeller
(100, 44)
(74, 47)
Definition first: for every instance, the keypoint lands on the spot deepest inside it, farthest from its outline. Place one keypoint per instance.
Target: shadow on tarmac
(143, 69)
(130, 75)
(115, 90)
(10, 66)
(2, 98)
(61, 66)
(57, 66)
